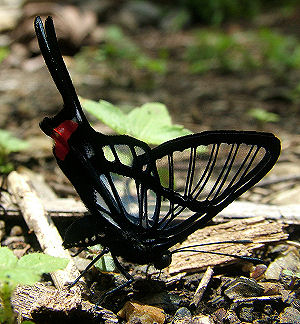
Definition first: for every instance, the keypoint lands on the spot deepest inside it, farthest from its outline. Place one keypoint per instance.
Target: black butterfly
(170, 191)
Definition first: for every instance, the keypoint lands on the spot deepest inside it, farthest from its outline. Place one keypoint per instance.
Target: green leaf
(42, 263)
(7, 258)
(4, 51)
(9, 143)
(150, 123)
(263, 116)
(106, 263)
(29, 268)
(19, 275)
(107, 113)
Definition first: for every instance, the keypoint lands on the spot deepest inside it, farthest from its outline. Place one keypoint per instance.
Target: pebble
(139, 13)
(296, 304)
(243, 287)
(202, 319)
(271, 288)
(290, 315)
(258, 272)
(290, 279)
(135, 312)
(232, 318)
(13, 239)
(16, 231)
(246, 314)
(290, 261)
(182, 316)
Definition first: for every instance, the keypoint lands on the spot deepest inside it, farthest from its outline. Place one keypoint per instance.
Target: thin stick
(202, 287)
(38, 221)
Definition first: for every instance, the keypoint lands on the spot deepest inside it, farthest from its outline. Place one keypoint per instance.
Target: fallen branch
(38, 221)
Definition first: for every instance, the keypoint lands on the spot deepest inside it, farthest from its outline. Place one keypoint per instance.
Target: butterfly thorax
(133, 249)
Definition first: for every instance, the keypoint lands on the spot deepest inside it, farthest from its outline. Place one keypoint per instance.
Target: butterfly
(143, 200)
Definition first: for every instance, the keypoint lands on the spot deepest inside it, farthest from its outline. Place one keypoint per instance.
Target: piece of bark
(45, 304)
(38, 221)
(259, 230)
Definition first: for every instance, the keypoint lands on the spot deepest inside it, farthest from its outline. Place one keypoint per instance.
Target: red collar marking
(61, 134)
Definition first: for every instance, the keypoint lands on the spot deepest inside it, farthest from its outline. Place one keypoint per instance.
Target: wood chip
(45, 304)
(259, 230)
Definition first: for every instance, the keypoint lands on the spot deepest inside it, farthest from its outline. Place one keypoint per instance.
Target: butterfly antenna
(190, 248)
(53, 58)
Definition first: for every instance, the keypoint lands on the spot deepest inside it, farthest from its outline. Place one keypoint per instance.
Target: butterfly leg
(77, 253)
(98, 257)
(129, 278)
(148, 276)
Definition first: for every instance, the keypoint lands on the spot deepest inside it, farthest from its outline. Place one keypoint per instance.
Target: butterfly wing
(203, 173)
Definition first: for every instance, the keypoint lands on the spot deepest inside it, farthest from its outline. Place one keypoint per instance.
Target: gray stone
(243, 287)
(290, 315)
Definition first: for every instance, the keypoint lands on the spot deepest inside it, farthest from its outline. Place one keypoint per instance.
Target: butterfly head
(163, 260)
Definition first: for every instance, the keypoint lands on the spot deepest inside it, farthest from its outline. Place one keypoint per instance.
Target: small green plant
(262, 116)
(24, 271)
(216, 50)
(217, 11)
(4, 51)
(117, 49)
(9, 144)
(279, 52)
(150, 123)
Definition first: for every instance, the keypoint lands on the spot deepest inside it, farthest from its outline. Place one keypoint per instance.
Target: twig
(278, 179)
(44, 228)
(257, 299)
(202, 287)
